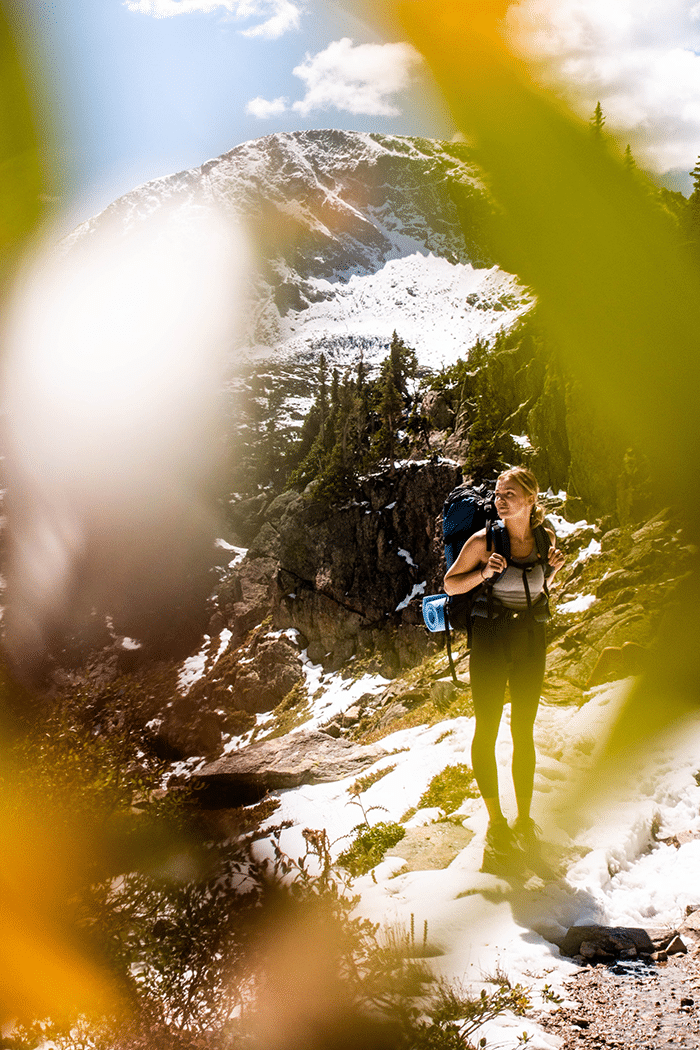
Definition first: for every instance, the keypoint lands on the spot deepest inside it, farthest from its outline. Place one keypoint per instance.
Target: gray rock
(617, 581)
(436, 408)
(618, 661)
(432, 846)
(260, 686)
(343, 568)
(605, 941)
(298, 758)
(691, 924)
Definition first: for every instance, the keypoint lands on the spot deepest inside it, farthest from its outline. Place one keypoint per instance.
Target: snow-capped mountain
(353, 235)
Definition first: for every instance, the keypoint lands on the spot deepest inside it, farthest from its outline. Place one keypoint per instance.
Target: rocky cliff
(347, 577)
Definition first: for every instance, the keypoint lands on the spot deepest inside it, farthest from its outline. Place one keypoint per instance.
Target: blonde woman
(508, 647)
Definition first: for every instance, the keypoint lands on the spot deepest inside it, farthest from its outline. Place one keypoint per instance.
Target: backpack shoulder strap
(543, 542)
(501, 539)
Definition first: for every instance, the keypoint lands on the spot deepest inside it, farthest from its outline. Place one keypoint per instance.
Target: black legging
(504, 651)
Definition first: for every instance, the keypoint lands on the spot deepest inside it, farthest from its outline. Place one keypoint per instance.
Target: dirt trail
(635, 1006)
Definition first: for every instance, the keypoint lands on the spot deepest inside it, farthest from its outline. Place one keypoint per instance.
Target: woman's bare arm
(555, 557)
(466, 572)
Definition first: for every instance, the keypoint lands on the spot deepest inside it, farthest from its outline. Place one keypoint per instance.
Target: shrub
(449, 788)
(366, 781)
(369, 846)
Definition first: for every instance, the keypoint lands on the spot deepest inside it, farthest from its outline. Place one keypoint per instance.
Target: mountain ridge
(323, 209)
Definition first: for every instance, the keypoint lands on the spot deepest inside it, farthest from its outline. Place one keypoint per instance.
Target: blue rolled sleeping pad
(435, 611)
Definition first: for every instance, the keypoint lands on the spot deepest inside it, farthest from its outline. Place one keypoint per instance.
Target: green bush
(449, 788)
(369, 846)
(455, 1015)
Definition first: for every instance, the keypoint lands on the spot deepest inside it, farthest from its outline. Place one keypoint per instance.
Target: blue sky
(134, 96)
(142, 88)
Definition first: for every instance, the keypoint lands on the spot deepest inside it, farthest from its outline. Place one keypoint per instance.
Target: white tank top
(510, 588)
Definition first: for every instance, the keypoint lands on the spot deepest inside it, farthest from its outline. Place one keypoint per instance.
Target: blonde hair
(528, 483)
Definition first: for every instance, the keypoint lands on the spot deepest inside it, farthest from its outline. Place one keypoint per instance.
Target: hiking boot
(527, 835)
(502, 855)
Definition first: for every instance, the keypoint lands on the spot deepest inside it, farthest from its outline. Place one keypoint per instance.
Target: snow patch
(562, 527)
(194, 667)
(418, 589)
(578, 604)
(590, 551)
(367, 308)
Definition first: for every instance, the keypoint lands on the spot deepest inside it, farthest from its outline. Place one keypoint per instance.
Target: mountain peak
(328, 212)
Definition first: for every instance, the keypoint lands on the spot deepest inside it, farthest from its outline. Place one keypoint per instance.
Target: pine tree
(596, 123)
(692, 214)
(397, 368)
(322, 398)
(628, 160)
(695, 176)
(335, 385)
(310, 454)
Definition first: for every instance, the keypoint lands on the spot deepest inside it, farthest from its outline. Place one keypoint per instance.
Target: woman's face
(511, 500)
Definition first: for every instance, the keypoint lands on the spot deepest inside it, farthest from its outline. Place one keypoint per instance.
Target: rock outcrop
(246, 776)
(346, 577)
(626, 586)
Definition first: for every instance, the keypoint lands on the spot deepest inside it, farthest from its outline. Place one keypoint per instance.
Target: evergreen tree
(322, 398)
(695, 176)
(596, 123)
(309, 456)
(692, 214)
(628, 160)
(397, 369)
(335, 384)
(350, 440)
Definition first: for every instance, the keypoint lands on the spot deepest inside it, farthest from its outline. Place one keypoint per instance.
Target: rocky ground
(635, 1003)
(640, 1006)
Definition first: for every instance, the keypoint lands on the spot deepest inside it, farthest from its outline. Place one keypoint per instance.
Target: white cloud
(358, 78)
(284, 17)
(639, 58)
(261, 108)
(279, 16)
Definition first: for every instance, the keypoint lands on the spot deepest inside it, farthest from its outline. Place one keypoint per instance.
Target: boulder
(612, 942)
(310, 757)
(618, 661)
(432, 846)
(187, 731)
(690, 927)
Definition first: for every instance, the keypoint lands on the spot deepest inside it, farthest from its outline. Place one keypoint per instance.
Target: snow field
(617, 874)
(438, 308)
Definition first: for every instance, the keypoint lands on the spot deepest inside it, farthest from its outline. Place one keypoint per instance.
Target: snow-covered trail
(617, 873)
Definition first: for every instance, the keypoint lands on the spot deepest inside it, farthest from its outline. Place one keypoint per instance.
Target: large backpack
(469, 509)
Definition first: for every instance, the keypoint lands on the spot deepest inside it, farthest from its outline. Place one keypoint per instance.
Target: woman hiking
(508, 647)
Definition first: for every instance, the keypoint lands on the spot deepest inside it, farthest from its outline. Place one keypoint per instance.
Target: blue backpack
(469, 509)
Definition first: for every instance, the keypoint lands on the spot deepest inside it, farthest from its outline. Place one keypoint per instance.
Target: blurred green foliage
(20, 166)
(618, 290)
